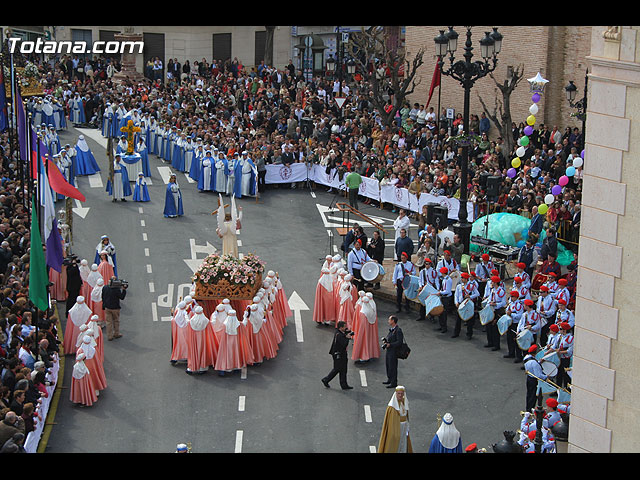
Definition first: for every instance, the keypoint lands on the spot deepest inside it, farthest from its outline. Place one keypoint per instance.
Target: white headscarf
(80, 312)
(93, 276)
(231, 323)
(87, 347)
(199, 321)
(368, 311)
(448, 434)
(82, 144)
(402, 409)
(218, 317)
(325, 280)
(255, 317)
(96, 293)
(180, 315)
(84, 269)
(79, 368)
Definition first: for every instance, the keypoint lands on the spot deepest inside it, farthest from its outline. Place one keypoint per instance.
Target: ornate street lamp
(581, 105)
(467, 72)
(331, 64)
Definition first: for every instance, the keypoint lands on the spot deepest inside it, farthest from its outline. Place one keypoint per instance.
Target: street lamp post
(581, 105)
(467, 72)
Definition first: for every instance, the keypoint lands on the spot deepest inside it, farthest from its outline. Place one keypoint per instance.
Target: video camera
(118, 283)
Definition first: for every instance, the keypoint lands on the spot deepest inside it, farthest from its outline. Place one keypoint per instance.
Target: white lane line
(142, 223)
(144, 236)
(241, 403)
(149, 268)
(154, 311)
(152, 287)
(238, 448)
(367, 414)
(140, 210)
(313, 194)
(189, 179)
(146, 252)
(239, 243)
(363, 378)
(243, 373)
(165, 174)
(372, 449)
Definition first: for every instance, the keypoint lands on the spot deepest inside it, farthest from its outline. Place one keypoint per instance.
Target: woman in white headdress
(262, 344)
(447, 439)
(82, 391)
(394, 437)
(96, 300)
(105, 245)
(179, 320)
(345, 310)
(92, 360)
(229, 355)
(324, 308)
(217, 322)
(366, 344)
(78, 315)
(85, 163)
(200, 347)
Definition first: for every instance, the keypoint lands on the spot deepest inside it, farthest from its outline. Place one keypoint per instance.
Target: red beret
(562, 301)
(495, 279)
(544, 288)
(554, 328)
(405, 254)
(473, 274)
(552, 402)
(528, 302)
(444, 270)
(494, 272)
(447, 251)
(565, 326)
(471, 447)
(517, 280)
(485, 256)
(428, 260)
(464, 275)
(532, 434)
(553, 274)
(562, 281)
(533, 349)
(521, 265)
(514, 293)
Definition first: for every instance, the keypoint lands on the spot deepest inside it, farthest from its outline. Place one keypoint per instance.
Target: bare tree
(385, 68)
(501, 113)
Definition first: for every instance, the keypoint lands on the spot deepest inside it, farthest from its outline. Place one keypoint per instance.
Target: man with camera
(112, 293)
(391, 343)
(338, 351)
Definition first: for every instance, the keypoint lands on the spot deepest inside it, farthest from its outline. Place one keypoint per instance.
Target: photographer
(112, 293)
(390, 344)
(339, 353)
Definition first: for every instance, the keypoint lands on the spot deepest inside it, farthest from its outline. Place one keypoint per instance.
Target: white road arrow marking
(194, 262)
(79, 209)
(297, 305)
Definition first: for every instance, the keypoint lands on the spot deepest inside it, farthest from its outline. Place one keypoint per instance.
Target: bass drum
(410, 284)
(433, 305)
(426, 291)
(466, 310)
(372, 272)
(524, 339)
(538, 280)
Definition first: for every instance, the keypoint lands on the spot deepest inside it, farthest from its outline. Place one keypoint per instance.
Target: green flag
(38, 278)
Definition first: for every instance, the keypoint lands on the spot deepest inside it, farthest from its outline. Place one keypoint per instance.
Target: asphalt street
(280, 406)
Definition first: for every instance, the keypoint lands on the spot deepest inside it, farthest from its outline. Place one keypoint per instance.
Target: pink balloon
(563, 180)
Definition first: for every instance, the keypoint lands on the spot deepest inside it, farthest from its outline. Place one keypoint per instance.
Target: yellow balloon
(531, 120)
(515, 163)
(542, 209)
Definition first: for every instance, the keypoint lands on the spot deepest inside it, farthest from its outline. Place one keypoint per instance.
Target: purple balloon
(528, 130)
(582, 154)
(535, 98)
(556, 190)
(511, 173)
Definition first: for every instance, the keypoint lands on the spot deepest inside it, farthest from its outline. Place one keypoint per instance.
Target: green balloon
(524, 141)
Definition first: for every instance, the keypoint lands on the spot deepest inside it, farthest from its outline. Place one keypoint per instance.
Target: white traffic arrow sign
(79, 209)
(297, 305)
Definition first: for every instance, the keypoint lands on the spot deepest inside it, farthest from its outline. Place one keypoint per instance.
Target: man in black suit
(338, 351)
(392, 342)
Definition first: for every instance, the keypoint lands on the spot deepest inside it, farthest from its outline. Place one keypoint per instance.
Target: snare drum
(427, 290)
(486, 314)
(466, 309)
(524, 339)
(550, 369)
(410, 284)
(372, 272)
(504, 322)
(433, 305)
(538, 280)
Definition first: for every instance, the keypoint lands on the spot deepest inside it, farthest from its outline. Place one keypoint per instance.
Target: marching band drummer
(553, 340)
(447, 262)
(533, 367)
(563, 291)
(546, 307)
(552, 284)
(524, 276)
(497, 298)
(427, 275)
(446, 298)
(357, 257)
(530, 320)
(564, 351)
(523, 292)
(563, 314)
(483, 272)
(514, 309)
(465, 289)
(402, 268)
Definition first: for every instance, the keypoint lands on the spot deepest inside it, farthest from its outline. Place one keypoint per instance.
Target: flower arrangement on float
(225, 276)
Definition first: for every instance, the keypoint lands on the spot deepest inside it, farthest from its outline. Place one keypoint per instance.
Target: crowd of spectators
(26, 349)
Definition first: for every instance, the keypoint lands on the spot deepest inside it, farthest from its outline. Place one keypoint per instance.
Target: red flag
(57, 180)
(435, 81)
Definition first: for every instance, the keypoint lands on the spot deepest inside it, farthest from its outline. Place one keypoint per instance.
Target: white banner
(296, 172)
(370, 188)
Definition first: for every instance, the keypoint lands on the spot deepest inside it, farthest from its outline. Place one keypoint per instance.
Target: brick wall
(557, 52)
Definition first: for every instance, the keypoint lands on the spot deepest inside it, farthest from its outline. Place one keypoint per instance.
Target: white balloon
(548, 199)
(520, 152)
(533, 109)
(577, 162)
